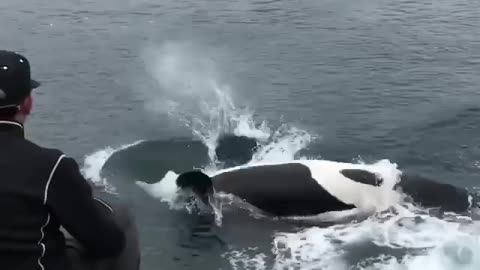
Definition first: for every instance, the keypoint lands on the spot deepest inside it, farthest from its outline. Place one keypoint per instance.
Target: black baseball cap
(15, 79)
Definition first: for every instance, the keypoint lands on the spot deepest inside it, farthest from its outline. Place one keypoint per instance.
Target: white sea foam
(165, 189)
(248, 258)
(429, 242)
(94, 162)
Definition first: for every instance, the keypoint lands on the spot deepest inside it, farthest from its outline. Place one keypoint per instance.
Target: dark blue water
(376, 79)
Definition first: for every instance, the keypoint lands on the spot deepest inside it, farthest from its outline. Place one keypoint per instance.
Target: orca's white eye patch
(2, 94)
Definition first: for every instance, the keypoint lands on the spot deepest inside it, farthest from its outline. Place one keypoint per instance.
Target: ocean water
(139, 90)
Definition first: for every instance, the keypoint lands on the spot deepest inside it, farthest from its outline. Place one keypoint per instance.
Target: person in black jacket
(46, 204)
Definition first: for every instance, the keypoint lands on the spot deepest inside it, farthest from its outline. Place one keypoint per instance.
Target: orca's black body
(288, 189)
(282, 190)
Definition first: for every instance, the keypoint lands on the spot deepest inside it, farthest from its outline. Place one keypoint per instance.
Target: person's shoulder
(44, 152)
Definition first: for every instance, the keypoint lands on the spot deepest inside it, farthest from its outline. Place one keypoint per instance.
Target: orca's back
(280, 189)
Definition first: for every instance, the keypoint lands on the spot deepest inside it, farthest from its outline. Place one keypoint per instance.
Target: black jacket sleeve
(70, 199)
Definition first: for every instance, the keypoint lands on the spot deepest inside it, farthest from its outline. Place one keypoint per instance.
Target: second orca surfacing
(313, 187)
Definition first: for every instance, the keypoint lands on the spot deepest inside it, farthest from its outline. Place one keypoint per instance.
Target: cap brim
(34, 84)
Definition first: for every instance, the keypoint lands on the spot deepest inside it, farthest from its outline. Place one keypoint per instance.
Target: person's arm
(71, 201)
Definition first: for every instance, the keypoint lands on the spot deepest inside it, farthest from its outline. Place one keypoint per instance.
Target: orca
(313, 187)
(235, 150)
(436, 194)
(141, 161)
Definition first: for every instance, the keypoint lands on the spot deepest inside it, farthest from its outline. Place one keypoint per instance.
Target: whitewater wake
(93, 164)
(409, 238)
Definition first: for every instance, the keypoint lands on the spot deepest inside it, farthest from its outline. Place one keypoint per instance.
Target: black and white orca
(313, 187)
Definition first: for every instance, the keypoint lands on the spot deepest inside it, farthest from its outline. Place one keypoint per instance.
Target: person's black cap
(15, 79)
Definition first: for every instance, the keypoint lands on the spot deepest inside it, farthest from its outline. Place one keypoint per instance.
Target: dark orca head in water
(200, 183)
(235, 150)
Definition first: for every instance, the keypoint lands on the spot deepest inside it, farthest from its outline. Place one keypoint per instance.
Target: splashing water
(167, 191)
(425, 240)
(191, 91)
(240, 260)
(93, 165)
(285, 144)
(217, 206)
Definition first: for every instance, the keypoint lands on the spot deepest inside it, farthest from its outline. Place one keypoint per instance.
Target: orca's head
(200, 183)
